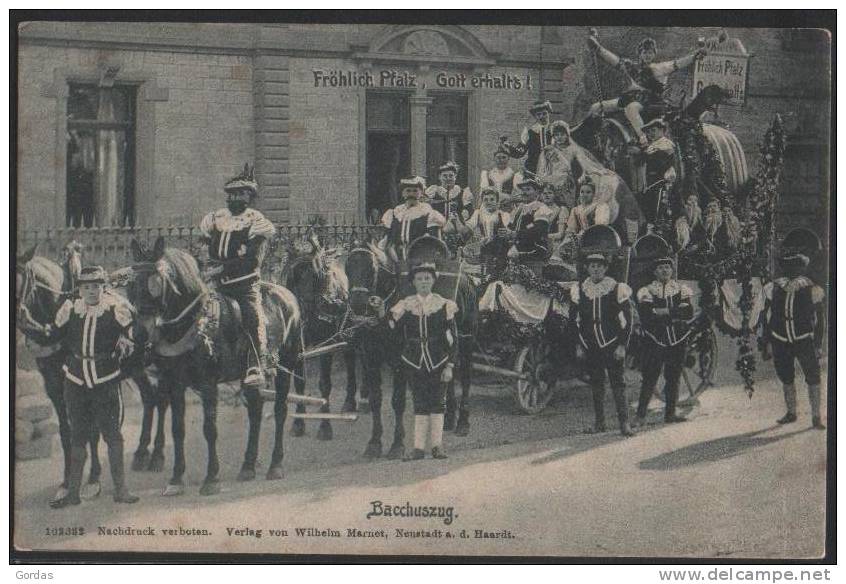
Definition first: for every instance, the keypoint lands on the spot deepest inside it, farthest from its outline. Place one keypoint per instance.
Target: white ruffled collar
(83, 309)
(792, 285)
(603, 287)
(424, 306)
(659, 290)
(224, 220)
(405, 213)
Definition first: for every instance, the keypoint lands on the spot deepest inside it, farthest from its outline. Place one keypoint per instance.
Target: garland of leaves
(756, 204)
(515, 273)
(760, 214)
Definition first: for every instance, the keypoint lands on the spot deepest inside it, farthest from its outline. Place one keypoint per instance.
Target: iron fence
(110, 247)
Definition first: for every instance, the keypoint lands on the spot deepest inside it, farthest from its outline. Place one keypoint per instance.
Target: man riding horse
(237, 237)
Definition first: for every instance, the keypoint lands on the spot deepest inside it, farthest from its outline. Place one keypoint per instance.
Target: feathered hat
(92, 275)
(246, 181)
(413, 182)
(540, 106)
(447, 166)
(423, 267)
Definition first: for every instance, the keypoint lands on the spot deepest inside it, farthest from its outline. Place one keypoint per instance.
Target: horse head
(706, 99)
(143, 280)
(72, 262)
(369, 274)
(24, 279)
(38, 285)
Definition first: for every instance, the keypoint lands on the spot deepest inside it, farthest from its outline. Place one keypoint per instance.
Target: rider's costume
(239, 241)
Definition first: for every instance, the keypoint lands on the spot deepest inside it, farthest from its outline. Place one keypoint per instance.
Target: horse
(41, 286)
(153, 400)
(318, 282)
(198, 342)
(370, 273)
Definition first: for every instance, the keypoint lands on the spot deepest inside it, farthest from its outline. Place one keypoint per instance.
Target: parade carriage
(528, 338)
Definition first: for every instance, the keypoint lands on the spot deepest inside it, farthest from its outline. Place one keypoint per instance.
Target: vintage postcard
(423, 289)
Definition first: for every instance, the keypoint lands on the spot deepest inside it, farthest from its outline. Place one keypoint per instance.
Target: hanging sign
(725, 65)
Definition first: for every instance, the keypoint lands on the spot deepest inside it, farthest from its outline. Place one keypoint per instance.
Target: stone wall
(195, 127)
(213, 96)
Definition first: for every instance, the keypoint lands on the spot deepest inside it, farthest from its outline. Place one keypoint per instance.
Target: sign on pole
(725, 65)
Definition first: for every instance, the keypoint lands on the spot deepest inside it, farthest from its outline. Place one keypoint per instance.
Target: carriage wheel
(699, 368)
(534, 392)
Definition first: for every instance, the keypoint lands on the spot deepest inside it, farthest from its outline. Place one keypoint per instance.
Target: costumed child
(96, 329)
(425, 322)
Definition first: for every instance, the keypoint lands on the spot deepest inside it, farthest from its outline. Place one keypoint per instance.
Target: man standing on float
(647, 81)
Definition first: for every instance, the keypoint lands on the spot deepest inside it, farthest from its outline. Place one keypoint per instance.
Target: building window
(100, 155)
(446, 135)
(388, 150)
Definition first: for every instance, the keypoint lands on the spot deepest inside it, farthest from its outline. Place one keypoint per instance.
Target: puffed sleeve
(524, 136)
(624, 292)
(768, 291)
(123, 313)
(574, 294)
(451, 309)
(817, 294)
(388, 218)
(261, 226)
(207, 224)
(435, 219)
(63, 314)
(686, 292)
(644, 295)
(399, 309)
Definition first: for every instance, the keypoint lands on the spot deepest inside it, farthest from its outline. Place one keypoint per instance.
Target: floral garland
(520, 274)
(755, 203)
(760, 214)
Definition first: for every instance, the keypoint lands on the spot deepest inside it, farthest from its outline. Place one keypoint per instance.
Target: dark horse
(318, 282)
(198, 342)
(370, 274)
(41, 285)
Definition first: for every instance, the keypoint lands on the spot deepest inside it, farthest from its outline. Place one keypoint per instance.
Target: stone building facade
(158, 115)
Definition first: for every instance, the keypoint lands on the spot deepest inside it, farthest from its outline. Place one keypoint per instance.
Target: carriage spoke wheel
(699, 368)
(535, 390)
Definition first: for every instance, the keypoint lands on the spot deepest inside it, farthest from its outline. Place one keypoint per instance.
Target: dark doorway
(388, 150)
(446, 135)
